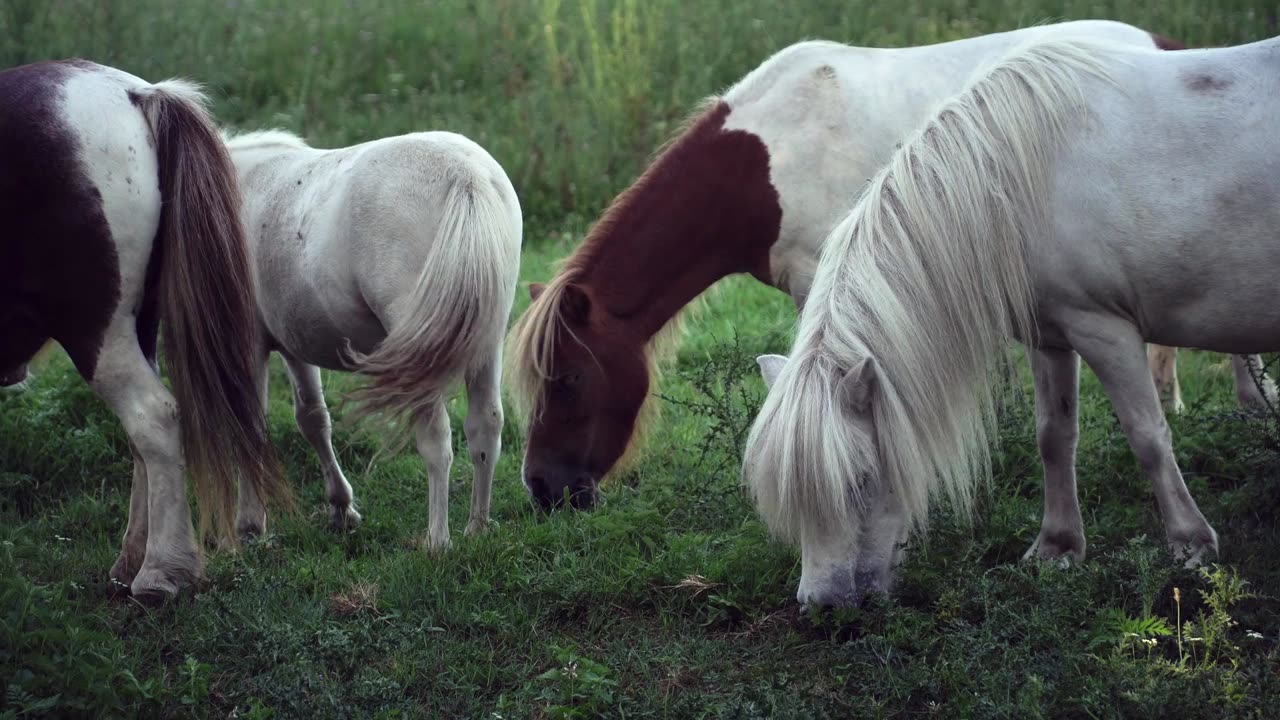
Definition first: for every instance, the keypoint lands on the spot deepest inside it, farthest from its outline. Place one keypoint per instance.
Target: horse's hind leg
(251, 514)
(1057, 390)
(1113, 350)
(312, 416)
(134, 548)
(431, 431)
(1247, 391)
(484, 435)
(130, 386)
(1163, 362)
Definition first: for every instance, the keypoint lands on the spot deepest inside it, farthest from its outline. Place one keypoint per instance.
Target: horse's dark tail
(208, 312)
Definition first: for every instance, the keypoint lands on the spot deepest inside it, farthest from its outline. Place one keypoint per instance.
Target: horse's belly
(1228, 327)
(321, 331)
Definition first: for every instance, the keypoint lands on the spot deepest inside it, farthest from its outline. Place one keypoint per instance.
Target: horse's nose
(583, 493)
(13, 376)
(540, 489)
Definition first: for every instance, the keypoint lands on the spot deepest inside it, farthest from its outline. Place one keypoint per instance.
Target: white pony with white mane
(395, 258)
(1080, 198)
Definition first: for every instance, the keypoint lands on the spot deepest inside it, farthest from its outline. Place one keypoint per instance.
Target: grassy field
(670, 601)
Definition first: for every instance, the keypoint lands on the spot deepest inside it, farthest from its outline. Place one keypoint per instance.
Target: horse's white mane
(927, 277)
(262, 138)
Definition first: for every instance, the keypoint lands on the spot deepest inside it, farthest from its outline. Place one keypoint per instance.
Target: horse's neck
(704, 210)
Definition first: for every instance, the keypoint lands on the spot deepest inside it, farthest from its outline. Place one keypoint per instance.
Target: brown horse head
(584, 357)
(589, 385)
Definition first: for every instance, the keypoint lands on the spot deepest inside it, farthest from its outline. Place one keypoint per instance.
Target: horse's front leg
(312, 417)
(1057, 388)
(1113, 349)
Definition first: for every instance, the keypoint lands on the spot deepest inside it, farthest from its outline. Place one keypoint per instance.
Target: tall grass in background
(571, 96)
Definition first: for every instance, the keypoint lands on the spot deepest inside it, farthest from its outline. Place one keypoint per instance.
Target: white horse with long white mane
(1080, 198)
(395, 258)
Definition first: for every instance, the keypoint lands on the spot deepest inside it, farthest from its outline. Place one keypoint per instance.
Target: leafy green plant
(725, 398)
(578, 687)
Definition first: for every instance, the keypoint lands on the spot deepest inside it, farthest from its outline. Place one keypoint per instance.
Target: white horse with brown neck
(753, 184)
(395, 258)
(1049, 203)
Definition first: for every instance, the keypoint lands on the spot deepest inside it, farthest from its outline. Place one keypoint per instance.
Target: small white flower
(59, 538)
(1253, 635)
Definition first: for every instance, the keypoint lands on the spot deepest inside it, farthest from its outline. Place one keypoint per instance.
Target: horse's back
(399, 186)
(831, 115)
(334, 231)
(80, 196)
(1174, 183)
(401, 208)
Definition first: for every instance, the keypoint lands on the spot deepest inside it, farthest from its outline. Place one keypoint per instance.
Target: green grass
(670, 600)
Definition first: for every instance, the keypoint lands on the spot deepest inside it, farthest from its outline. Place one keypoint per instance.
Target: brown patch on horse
(1165, 43)
(703, 209)
(59, 275)
(208, 309)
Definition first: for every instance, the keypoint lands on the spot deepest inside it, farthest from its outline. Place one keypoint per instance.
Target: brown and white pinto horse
(121, 210)
(753, 185)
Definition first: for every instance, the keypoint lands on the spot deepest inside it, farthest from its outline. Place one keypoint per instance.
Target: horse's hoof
(344, 518)
(123, 571)
(152, 588)
(118, 588)
(479, 526)
(1062, 548)
(436, 545)
(250, 529)
(1196, 549)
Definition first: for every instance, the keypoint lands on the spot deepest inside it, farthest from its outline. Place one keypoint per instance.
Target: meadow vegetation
(670, 600)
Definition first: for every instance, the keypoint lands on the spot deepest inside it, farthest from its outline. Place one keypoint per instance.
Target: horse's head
(584, 382)
(826, 488)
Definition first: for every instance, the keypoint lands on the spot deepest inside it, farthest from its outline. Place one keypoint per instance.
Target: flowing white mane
(927, 277)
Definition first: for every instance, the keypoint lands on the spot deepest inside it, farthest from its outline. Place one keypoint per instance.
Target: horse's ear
(770, 366)
(575, 304)
(859, 384)
(535, 289)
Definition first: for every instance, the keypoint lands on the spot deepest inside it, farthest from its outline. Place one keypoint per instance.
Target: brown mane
(531, 344)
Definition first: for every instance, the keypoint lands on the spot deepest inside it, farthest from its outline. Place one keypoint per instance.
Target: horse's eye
(569, 380)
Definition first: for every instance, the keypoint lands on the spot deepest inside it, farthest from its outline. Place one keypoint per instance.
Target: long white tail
(461, 304)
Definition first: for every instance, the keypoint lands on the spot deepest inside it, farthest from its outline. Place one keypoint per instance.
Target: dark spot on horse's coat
(484, 456)
(825, 73)
(59, 275)
(1205, 83)
(299, 182)
(1165, 43)
(299, 234)
(1065, 404)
